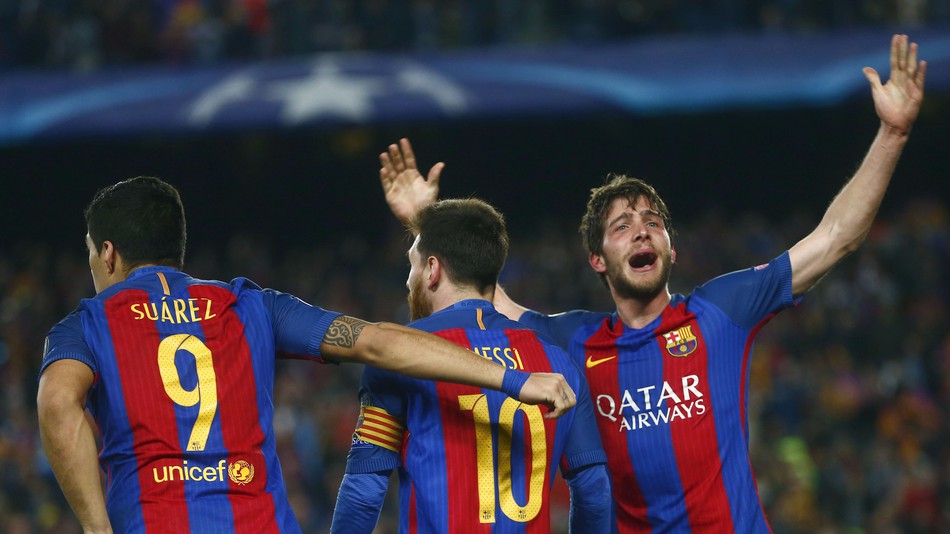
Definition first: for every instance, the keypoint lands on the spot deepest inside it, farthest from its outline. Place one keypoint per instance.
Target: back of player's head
(144, 219)
(594, 222)
(468, 236)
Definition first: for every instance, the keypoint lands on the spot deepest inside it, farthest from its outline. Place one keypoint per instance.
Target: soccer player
(179, 374)
(469, 459)
(668, 372)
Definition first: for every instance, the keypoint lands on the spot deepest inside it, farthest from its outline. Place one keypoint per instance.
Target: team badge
(241, 472)
(680, 342)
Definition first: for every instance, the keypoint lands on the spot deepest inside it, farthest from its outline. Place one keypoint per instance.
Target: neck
(451, 295)
(637, 313)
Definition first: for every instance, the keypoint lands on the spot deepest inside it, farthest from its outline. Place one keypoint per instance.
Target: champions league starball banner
(648, 76)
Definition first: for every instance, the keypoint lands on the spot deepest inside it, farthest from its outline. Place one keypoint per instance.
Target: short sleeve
(66, 340)
(299, 327)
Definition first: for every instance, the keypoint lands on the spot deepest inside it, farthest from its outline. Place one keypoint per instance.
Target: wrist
(895, 133)
(513, 381)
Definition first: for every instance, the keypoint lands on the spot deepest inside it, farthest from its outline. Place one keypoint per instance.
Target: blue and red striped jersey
(183, 397)
(671, 401)
(473, 460)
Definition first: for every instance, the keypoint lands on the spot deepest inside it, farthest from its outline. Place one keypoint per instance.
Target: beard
(419, 305)
(643, 289)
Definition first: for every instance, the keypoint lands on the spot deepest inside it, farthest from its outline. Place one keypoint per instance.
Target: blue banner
(648, 76)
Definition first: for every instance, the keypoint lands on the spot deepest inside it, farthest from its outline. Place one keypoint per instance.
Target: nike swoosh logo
(593, 363)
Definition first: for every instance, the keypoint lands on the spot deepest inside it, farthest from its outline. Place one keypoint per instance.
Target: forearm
(70, 445)
(850, 215)
(421, 355)
(358, 503)
(591, 505)
(848, 218)
(425, 356)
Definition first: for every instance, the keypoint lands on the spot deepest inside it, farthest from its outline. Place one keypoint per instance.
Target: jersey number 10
(487, 474)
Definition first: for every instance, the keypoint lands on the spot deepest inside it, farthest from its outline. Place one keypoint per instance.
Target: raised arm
(849, 216)
(422, 355)
(69, 441)
(406, 190)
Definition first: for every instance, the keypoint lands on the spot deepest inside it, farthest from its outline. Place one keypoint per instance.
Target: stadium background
(850, 399)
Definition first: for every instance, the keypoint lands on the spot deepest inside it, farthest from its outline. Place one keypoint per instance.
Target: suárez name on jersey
(174, 311)
(646, 407)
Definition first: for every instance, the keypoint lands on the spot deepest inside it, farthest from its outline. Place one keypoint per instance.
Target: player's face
(96, 266)
(419, 304)
(638, 255)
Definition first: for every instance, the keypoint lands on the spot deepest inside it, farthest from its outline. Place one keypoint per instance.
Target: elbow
(50, 405)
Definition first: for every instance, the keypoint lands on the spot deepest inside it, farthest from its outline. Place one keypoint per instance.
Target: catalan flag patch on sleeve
(379, 428)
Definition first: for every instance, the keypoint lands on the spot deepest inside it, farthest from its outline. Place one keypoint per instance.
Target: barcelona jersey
(671, 401)
(473, 460)
(183, 397)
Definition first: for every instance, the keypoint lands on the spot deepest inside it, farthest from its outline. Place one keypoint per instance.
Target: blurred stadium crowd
(87, 34)
(850, 399)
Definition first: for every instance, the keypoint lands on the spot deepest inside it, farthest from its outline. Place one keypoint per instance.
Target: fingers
(407, 154)
(895, 53)
(386, 172)
(395, 155)
(564, 400)
(873, 78)
(921, 75)
(911, 66)
(434, 173)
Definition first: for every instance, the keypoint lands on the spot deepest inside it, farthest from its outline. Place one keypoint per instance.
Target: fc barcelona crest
(680, 342)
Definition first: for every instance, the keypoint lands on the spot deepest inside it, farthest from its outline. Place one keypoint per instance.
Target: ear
(597, 262)
(673, 254)
(434, 266)
(109, 256)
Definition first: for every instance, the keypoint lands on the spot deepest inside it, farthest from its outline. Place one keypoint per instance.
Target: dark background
(303, 186)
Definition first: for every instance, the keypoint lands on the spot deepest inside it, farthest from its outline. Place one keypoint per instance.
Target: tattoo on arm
(344, 331)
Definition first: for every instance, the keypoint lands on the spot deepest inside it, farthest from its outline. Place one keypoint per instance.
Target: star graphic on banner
(235, 88)
(325, 92)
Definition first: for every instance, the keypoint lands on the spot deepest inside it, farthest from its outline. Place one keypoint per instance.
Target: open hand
(406, 190)
(898, 101)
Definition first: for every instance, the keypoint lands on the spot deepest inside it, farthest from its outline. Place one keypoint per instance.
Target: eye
(653, 224)
(620, 227)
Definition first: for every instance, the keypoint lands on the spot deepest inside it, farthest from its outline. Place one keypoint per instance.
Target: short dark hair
(144, 219)
(468, 236)
(617, 186)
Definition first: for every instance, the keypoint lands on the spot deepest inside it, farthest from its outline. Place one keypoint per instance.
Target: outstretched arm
(69, 441)
(849, 216)
(406, 190)
(419, 354)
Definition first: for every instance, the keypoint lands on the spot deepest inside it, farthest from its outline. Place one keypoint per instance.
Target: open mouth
(643, 259)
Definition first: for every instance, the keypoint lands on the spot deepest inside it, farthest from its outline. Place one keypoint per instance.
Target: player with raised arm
(469, 459)
(669, 373)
